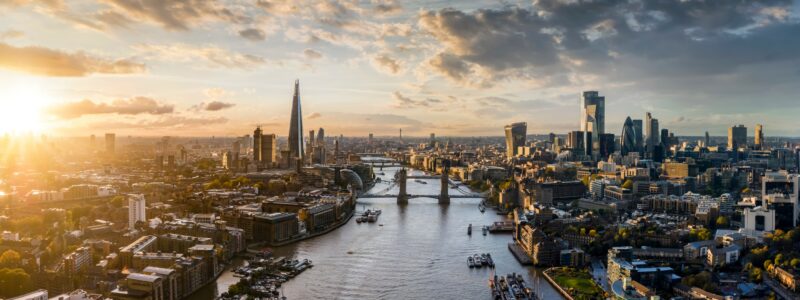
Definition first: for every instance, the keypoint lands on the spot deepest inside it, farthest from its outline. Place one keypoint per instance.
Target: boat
(484, 261)
(485, 230)
(489, 260)
(481, 208)
(477, 259)
(469, 229)
(470, 262)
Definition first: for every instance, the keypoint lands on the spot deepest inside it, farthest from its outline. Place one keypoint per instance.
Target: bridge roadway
(419, 196)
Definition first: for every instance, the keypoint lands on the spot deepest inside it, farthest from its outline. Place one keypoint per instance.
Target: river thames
(419, 252)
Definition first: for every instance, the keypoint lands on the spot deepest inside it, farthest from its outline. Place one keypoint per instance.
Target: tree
(722, 221)
(10, 259)
(117, 201)
(14, 282)
(628, 184)
(795, 263)
(593, 233)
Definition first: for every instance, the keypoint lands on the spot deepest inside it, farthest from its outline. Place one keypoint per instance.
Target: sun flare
(23, 103)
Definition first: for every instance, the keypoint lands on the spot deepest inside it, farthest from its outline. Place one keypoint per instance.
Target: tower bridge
(401, 178)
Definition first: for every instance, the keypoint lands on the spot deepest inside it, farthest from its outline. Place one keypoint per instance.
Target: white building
(136, 210)
(759, 218)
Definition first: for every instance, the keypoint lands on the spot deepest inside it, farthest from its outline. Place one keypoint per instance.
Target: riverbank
(307, 236)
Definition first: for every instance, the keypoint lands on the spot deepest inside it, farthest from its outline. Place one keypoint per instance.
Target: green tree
(795, 263)
(10, 259)
(117, 201)
(722, 221)
(14, 282)
(628, 184)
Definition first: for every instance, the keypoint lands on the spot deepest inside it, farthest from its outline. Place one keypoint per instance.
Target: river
(420, 252)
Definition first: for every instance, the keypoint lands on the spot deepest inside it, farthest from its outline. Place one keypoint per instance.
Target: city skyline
(221, 68)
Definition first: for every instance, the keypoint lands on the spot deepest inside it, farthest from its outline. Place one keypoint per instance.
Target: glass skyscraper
(515, 137)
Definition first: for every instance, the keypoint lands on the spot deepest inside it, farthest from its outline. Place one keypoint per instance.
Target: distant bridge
(410, 196)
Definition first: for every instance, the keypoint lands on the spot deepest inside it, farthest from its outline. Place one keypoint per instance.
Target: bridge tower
(402, 197)
(444, 195)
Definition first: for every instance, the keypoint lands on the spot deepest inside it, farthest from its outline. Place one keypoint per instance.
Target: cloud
(404, 102)
(132, 106)
(253, 34)
(49, 62)
(177, 15)
(11, 34)
(312, 54)
(386, 63)
(387, 7)
(313, 115)
(217, 105)
(213, 55)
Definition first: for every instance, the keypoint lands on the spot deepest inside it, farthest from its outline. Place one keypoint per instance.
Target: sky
(458, 68)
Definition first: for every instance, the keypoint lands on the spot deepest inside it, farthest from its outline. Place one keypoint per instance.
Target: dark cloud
(217, 105)
(177, 14)
(617, 39)
(312, 54)
(132, 106)
(49, 62)
(404, 102)
(386, 63)
(253, 34)
(389, 7)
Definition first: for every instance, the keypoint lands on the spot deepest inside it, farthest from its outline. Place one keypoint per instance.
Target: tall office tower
(321, 137)
(310, 146)
(708, 140)
(515, 137)
(319, 149)
(652, 132)
(111, 143)
(136, 210)
(269, 149)
(401, 134)
(606, 143)
(637, 128)
(627, 141)
(336, 151)
(737, 137)
(575, 141)
(257, 136)
(91, 142)
(759, 136)
(433, 139)
(665, 138)
(370, 138)
(552, 138)
(593, 119)
(296, 147)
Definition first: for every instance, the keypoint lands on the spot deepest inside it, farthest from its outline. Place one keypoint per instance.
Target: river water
(420, 252)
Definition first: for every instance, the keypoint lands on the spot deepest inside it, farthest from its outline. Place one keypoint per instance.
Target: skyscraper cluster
(515, 137)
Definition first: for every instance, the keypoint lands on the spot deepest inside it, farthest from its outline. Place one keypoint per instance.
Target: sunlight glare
(23, 102)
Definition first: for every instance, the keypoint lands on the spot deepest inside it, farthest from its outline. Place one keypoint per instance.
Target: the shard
(296, 148)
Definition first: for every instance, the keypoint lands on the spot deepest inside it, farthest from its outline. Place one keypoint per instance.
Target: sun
(22, 105)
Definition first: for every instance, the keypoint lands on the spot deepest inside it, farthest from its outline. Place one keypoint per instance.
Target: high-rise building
(91, 142)
(606, 143)
(575, 140)
(637, 128)
(593, 118)
(759, 136)
(665, 138)
(321, 137)
(269, 149)
(515, 137)
(708, 140)
(257, 136)
(627, 141)
(319, 148)
(369, 141)
(737, 137)
(433, 139)
(136, 210)
(652, 132)
(296, 147)
(111, 143)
